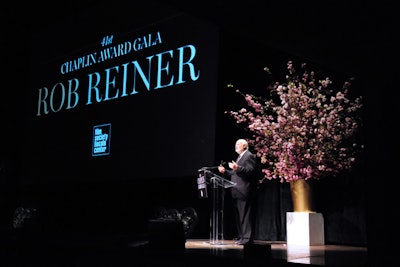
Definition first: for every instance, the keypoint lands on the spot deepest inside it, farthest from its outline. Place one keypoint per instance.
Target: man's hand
(233, 165)
(221, 169)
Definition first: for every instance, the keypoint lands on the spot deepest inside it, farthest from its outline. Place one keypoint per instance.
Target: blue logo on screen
(101, 140)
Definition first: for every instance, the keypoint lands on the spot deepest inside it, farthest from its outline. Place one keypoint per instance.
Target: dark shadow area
(106, 223)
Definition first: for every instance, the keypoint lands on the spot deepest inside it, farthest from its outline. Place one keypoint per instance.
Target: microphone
(212, 168)
(208, 168)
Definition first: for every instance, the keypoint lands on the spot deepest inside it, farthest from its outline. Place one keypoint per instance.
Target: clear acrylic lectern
(217, 185)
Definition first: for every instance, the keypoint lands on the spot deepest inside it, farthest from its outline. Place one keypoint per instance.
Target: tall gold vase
(302, 196)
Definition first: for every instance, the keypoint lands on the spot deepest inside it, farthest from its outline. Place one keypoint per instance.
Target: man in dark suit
(243, 173)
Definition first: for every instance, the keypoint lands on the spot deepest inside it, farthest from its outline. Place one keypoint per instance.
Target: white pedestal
(304, 228)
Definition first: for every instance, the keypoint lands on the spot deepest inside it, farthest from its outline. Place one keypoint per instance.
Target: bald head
(241, 145)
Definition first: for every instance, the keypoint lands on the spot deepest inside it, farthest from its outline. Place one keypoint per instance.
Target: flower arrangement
(305, 129)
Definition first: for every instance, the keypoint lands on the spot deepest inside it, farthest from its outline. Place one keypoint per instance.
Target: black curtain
(272, 202)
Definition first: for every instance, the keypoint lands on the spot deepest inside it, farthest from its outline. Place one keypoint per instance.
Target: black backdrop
(155, 98)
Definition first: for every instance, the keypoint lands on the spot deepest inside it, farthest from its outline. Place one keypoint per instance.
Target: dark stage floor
(83, 250)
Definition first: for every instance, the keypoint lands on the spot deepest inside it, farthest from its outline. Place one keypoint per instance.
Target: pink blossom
(302, 136)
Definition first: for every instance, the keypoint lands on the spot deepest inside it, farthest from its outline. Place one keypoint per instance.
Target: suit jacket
(244, 176)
